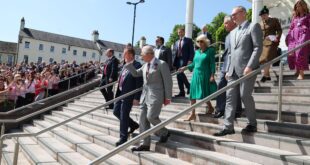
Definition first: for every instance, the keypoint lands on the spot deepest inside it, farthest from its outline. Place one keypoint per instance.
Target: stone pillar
(142, 42)
(257, 5)
(189, 18)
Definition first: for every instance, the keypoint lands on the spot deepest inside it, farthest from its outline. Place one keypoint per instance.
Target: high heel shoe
(209, 111)
(191, 117)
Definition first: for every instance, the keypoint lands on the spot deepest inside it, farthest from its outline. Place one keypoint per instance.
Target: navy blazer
(111, 70)
(130, 83)
(187, 51)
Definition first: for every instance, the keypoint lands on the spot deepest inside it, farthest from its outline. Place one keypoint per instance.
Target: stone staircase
(89, 137)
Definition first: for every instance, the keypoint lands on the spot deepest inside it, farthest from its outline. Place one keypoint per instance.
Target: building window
(94, 55)
(39, 60)
(25, 59)
(64, 50)
(84, 53)
(52, 49)
(51, 60)
(0, 59)
(27, 44)
(63, 61)
(120, 55)
(10, 60)
(41, 47)
(75, 52)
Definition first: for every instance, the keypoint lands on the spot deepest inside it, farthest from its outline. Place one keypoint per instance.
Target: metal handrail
(182, 113)
(54, 96)
(5, 136)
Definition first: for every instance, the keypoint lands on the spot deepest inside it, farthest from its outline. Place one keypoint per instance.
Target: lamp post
(134, 18)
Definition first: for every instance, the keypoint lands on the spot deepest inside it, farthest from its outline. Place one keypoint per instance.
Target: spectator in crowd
(157, 90)
(163, 53)
(246, 48)
(203, 67)
(205, 32)
(272, 32)
(299, 32)
(221, 99)
(122, 108)
(184, 55)
(110, 74)
(30, 88)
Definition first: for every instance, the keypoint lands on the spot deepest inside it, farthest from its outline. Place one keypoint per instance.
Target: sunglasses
(200, 41)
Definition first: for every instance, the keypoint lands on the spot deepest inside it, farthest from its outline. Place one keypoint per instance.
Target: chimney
(142, 42)
(22, 23)
(95, 35)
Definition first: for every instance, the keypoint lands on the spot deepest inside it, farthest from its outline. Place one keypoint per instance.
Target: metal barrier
(209, 98)
(54, 96)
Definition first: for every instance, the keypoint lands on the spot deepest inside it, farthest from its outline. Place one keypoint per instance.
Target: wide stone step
(254, 152)
(305, 90)
(261, 138)
(284, 83)
(8, 154)
(91, 134)
(61, 152)
(185, 152)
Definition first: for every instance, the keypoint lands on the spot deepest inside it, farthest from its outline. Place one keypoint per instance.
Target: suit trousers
(245, 89)
(221, 99)
(107, 92)
(182, 79)
(150, 115)
(122, 110)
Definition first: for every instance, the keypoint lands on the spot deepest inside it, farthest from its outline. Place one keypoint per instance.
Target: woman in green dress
(203, 68)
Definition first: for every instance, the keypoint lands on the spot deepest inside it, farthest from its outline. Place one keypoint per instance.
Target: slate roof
(8, 47)
(72, 41)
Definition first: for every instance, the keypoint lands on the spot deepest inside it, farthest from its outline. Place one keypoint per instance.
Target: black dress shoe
(141, 148)
(164, 139)
(249, 129)
(218, 115)
(120, 142)
(180, 95)
(224, 132)
(133, 129)
(264, 79)
(237, 115)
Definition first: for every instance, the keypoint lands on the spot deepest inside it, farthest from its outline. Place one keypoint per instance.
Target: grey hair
(241, 8)
(228, 18)
(147, 50)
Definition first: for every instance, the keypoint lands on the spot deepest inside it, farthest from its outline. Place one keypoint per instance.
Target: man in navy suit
(123, 107)
(110, 74)
(184, 55)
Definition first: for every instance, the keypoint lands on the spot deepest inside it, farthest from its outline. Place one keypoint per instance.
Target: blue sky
(112, 18)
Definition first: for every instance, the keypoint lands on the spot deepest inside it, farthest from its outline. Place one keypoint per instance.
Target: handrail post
(2, 129)
(16, 151)
(1, 149)
(279, 118)
(69, 83)
(84, 78)
(220, 56)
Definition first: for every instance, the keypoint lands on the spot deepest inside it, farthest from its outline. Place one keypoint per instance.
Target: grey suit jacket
(246, 49)
(157, 86)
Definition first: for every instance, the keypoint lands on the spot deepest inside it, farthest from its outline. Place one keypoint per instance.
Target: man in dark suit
(162, 52)
(123, 107)
(110, 74)
(207, 34)
(184, 55)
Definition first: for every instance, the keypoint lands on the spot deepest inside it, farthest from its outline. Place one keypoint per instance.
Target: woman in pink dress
(299, 32)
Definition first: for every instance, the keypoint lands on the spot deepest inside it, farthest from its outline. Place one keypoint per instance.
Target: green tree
(216, 23)
(221, 34)
(174, 35)
(249, 15)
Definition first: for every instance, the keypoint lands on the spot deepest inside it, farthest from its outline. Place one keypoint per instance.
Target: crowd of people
(247, 46)
(24, 83)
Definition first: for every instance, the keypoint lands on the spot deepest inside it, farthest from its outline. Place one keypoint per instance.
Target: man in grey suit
(157, 90)
(246, 48)
(221, 99)
(162, 52)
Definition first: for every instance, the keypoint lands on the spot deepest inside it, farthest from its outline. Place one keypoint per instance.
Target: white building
(37, 46)
(7, 52)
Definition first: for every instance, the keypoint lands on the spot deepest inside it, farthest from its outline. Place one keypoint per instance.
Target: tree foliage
(249, 15)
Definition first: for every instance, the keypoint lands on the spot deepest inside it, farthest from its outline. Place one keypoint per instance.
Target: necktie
(180, 48)
(148, 69)
(121, 79)
(105, 68)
